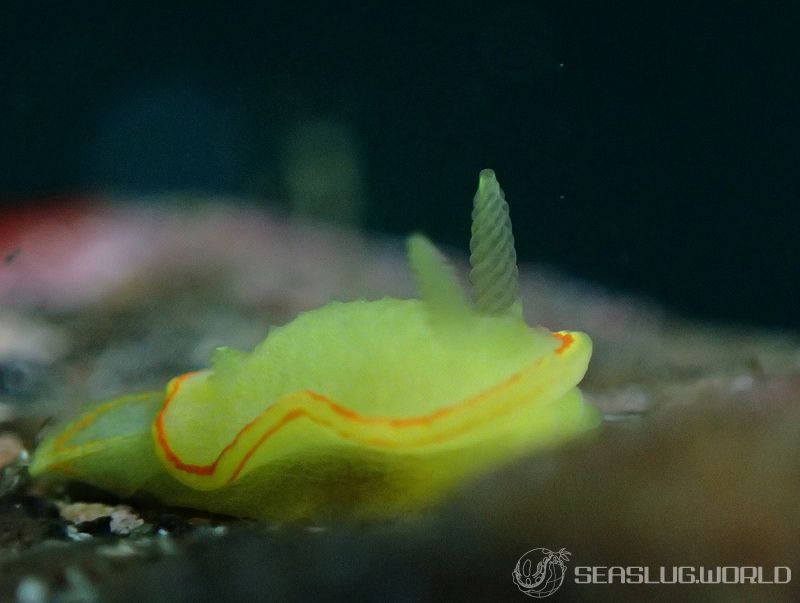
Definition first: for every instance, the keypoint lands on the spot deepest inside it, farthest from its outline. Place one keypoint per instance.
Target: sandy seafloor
(696, 464)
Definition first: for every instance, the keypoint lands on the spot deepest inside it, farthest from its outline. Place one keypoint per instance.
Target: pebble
(100, 518)
(31, 590)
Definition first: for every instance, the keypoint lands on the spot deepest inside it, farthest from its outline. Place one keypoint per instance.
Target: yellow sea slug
(363, 409)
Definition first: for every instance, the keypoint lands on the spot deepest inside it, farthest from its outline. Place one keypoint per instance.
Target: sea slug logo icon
(545, 577)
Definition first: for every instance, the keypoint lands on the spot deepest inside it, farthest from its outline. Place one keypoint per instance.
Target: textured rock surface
(697, 463)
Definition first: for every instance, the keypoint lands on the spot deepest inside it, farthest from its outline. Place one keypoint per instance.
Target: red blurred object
(65, 251)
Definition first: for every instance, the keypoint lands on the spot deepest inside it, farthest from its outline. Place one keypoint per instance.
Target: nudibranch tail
(109, 445)
(494, 273)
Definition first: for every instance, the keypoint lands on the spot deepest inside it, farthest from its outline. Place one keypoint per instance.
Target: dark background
(646, 146)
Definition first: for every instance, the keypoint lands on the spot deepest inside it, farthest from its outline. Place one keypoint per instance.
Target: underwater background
(648, 147)
(180, 176)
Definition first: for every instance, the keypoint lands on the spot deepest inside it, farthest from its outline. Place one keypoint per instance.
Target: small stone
(124, 520)
(100, 518)
(11, 448)
(32, 590)
(80, 512)
(13, 464)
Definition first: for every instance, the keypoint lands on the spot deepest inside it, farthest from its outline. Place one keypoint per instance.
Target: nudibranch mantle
(361, 409)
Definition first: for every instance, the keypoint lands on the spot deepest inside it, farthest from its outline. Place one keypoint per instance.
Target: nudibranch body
(362, 409)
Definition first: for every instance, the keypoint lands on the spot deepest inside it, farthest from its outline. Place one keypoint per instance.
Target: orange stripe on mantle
(565, 339)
